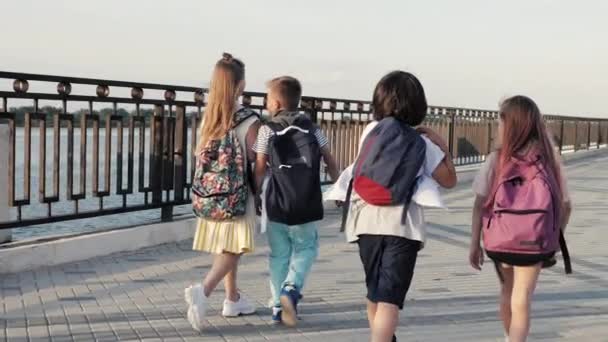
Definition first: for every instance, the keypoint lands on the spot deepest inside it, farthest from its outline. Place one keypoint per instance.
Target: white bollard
(5, 234)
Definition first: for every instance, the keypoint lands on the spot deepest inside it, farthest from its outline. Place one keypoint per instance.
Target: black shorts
(515, 259)
(389, 266)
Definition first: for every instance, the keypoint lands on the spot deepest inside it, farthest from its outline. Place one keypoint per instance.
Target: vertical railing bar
(42, 163)
(179, 157)
(56, 153)
(70, 161)
(194, 141)
(489, 138)
(11, 158)
(600, 134)
(131, 148)
(83, 161)
(588, 134)
(156, 145)
(575, 135)
(95, 153)
(119, 158)
(141, 166)
(108, 152)
(561, 136)
(452, 118)
(27, 151)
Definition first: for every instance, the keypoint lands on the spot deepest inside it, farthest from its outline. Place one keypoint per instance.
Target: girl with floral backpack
(222, 194)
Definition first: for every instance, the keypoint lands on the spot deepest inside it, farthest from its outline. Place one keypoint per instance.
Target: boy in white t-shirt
(388, 249)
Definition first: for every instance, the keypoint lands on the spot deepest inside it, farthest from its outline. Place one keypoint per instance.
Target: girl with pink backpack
(521, 208)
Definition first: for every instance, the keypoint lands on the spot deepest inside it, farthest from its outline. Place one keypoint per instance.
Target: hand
(476, 257)
(434, 137)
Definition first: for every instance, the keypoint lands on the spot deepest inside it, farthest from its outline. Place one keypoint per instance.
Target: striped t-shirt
(265, 133)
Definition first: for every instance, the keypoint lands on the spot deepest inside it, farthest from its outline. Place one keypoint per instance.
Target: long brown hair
(523, 128)
(228, 73)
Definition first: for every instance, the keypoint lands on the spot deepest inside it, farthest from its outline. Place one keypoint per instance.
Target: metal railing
(136, 152)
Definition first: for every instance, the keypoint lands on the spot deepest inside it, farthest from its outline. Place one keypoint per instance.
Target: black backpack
(386, 170)
(293, 193)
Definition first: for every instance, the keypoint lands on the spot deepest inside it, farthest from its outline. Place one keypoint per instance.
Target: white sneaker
(234, 309)
(197, 306)
(187, 298)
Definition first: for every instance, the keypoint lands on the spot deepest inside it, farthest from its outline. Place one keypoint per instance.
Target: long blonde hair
(224, 90)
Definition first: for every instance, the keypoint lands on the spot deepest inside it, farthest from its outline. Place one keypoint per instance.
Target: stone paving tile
(138, 295)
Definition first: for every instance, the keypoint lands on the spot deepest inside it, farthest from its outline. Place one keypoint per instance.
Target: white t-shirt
(364, 218)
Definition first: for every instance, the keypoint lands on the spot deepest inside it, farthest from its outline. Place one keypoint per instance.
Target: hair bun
(227, 57)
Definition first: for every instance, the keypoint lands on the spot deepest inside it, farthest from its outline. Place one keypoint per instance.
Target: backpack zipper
(520, 212)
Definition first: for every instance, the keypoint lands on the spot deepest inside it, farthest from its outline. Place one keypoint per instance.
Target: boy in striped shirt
(293, 248)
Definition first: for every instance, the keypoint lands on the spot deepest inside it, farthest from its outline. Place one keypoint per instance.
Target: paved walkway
(138, 296)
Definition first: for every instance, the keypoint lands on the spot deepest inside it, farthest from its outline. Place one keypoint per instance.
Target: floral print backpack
(219, 186)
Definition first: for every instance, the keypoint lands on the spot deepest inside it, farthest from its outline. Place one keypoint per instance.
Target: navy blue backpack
(293, 195)
(386, 170)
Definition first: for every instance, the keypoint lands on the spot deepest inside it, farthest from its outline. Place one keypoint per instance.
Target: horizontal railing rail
(117, 149)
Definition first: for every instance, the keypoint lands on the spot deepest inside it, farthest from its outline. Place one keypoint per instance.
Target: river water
(36, 209)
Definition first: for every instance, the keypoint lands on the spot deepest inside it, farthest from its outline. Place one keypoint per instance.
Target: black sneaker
(290, 296)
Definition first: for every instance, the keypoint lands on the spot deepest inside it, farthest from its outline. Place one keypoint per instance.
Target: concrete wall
(5, 234)
(29, 256)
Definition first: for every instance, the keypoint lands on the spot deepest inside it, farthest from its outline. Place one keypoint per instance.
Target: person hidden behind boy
(289, 150)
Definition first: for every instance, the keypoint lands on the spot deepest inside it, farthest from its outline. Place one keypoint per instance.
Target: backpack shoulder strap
(242, 115)
(274, 126)
(565, 253)
(346, 205)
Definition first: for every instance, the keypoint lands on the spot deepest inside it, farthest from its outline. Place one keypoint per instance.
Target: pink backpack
(524, 216)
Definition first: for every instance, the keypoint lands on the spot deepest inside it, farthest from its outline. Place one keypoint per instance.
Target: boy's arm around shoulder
(445, 172)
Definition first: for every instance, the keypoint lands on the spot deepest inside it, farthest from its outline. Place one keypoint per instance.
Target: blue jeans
(293, 250)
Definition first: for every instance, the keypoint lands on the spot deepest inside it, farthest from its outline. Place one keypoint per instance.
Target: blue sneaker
(290, 296)
(277, 312)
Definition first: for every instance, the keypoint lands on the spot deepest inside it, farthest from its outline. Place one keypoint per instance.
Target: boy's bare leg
(385, 322)
(371, 313)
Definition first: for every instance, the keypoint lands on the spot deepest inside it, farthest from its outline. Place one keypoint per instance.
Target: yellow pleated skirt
(216, 237)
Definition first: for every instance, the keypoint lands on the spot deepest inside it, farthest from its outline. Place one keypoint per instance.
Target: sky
(467, 53)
